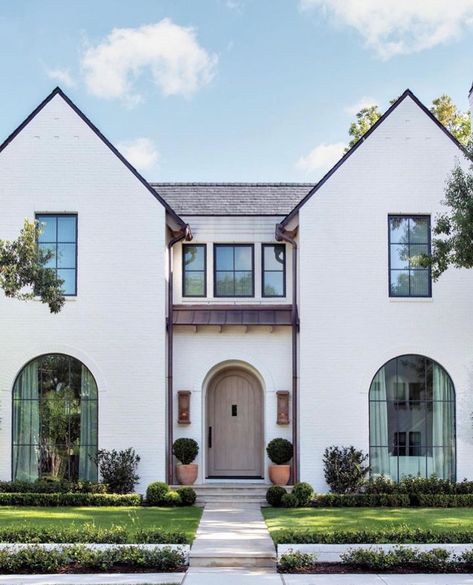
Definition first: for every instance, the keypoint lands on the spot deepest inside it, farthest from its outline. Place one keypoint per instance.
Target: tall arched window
(412, 419)
(54, 420)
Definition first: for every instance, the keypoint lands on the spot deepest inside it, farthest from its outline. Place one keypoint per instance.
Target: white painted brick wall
(349, 325)
(116, 325)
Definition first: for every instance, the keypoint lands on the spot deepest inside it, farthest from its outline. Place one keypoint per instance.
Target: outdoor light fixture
(283, 407)
(184, 407)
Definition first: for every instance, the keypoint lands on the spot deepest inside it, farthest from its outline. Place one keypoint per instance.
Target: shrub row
(77, 558)
(437, 560)
(88, 533)
(69, 499)
(392, 500)
(52, 487)
(400, 535)
(418, 485)
(360, 500)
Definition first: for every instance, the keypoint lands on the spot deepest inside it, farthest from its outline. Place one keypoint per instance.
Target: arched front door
(235, 425)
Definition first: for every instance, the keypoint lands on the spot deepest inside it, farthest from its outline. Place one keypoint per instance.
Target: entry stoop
(232, 533)
(216, 493)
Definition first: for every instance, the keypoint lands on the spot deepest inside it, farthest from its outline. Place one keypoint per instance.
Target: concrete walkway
(233, 535)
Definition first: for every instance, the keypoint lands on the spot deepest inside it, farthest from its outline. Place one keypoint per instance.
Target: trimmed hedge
(360, 500)
(79, 558)
(42, 486)
(437, 560)
(442, 500)
(88, 533)
(418, 485)
(69, 499)
(400, 535)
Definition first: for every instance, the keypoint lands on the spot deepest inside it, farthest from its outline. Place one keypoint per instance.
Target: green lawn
(183, 519)
(330, 519)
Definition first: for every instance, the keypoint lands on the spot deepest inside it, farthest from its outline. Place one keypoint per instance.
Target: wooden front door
(235, 425)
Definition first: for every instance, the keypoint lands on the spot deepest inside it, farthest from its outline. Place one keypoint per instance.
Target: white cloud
(364, 102)
(396, 27)
(321, 158)
(61, 76)
(177, 64)
(141, 153)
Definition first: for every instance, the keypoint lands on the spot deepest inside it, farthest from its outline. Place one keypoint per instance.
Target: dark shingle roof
(232, 198)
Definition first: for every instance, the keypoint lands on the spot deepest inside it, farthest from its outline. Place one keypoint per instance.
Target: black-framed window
(54, 420)
(412, 419)
(234, 270)
(59, 236)
(273, 270)
(194, 269)
(409, 240)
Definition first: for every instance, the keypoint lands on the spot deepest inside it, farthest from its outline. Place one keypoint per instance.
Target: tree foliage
(23, 271)
(452, 244)
(443, 108)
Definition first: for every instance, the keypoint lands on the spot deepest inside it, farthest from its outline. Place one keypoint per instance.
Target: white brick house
(221, 296)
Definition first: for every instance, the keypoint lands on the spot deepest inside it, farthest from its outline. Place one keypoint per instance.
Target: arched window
(54, 420)
(412, 419)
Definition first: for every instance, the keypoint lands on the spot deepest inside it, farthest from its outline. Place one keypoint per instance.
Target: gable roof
(236, 199)
(346, 156)
(129, 166)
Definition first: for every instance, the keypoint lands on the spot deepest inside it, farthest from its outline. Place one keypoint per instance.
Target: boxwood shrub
(69, 499)
(437, 560)
(79, 558)
(360, 500)
(274, 495)
(399, 535)
(89, 533)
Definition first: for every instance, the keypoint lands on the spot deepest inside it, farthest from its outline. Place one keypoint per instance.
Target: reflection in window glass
(234, 270)
(412, 419)
(409, 241)
(54, 420)
(194, 270)
(59, 238)
(274, 268)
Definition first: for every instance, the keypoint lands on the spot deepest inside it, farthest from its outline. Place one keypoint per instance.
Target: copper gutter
(283, 234)
(185, 233)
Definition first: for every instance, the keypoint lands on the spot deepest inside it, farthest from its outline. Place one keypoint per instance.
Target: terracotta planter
(187, 474)
(279, 474)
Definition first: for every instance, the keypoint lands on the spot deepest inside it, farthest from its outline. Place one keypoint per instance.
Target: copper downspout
(282, 234)
(184, 233)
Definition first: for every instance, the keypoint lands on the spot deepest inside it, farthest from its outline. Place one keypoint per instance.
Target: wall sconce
(184, 407)
(283, 407)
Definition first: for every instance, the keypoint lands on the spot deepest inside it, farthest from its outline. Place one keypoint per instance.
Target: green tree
(452, 244)
(23, 271)
(443, 108)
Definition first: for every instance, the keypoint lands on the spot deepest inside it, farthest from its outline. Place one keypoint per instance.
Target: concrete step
(232, 492)
(233, 559)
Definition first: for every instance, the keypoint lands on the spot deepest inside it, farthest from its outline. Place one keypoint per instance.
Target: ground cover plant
(184, 520)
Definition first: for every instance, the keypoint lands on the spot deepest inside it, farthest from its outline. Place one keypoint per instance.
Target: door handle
(210, 437)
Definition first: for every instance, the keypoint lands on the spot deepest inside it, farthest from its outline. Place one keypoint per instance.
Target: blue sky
(230, 90)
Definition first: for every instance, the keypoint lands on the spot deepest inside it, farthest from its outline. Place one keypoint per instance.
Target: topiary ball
(280, 451)
(289, 501)
(156, 493)
(274, 495)
(185, 450)
(188, 496)
(303, 492)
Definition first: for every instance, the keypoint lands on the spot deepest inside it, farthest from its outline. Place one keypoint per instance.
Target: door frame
(210, 377)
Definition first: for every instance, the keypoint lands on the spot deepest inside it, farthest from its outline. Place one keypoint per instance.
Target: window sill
(410, 299)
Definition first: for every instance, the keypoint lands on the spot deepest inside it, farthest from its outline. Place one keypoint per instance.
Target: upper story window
(234, 270)
(274, 270)
(409, 239)
(59, 236)
(194, 266)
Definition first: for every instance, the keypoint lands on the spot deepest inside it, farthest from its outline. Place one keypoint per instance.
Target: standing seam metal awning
(269, 315)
